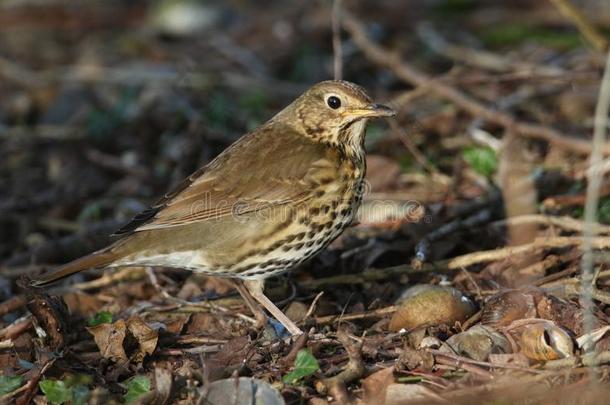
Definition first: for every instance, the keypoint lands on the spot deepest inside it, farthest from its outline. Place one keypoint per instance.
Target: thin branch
(337, 49)
(593, 192)
(409, 74)
(591, 34)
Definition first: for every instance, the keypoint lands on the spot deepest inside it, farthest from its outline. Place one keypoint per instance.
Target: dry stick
(581, 22)
(564, 222)
(13, 304)
(512, 251)
(593, 192)
(469, 104)
(337, 49)
(353, 371)
(375, 313)
(458, 362)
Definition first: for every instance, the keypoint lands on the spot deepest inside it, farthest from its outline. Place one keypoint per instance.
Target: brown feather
(94, 260)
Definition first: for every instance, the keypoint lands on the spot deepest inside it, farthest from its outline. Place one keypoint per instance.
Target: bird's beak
(371, 110)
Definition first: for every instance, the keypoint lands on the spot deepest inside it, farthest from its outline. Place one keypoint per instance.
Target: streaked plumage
(270, 201)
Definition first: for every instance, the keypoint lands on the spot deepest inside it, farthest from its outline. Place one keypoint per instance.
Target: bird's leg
(257, 311)
(255, 287)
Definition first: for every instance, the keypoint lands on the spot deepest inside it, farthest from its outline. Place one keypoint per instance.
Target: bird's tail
(97, 259)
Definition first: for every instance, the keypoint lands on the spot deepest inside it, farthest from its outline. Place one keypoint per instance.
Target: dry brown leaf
(146, 336)
(79, 302)
(109, 339)
(376, 384)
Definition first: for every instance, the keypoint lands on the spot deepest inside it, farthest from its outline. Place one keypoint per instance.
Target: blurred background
(104, 105)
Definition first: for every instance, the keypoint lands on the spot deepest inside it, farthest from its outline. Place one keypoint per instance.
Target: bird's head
(334, 112)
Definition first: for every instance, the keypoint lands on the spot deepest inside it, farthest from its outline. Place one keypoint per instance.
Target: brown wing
(266, 168)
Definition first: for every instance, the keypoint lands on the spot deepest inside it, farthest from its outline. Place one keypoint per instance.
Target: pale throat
(354, 139)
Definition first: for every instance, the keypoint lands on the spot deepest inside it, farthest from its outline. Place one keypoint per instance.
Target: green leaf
(99, 318)
(483, 160)
(9, 383)
(304, 365)
(56, 391)
(136, 387)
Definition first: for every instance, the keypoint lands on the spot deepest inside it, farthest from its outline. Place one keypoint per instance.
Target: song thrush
(271, 200)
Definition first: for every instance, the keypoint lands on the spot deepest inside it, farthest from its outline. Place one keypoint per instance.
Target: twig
(32, 384)
(337, 49)
(564, 222)
(294, 350)
(12, 304)
(467, 103)
(581, 22)
(593, 294)
(312, 307)
(542, 282)
(17, 327)
(458, 362)
(513, 251)
(376, 313)
(461, 359)
(593, 191)
(354, 370)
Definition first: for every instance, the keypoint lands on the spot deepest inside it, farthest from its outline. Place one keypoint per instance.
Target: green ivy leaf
(304, 365)
(9, 383)
(100, 318)
(136, 387)
(483, 160)
(56, 391)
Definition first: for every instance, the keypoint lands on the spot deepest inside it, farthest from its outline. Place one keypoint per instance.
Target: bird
(270, 201)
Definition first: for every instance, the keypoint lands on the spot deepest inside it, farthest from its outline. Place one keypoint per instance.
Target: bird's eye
(333, 102)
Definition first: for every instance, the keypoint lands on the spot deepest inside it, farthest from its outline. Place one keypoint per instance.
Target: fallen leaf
(304, 365)
(136, 387)
(82, 303)
(109, 339)
(9, 383)
(99, 318)
(375, 385)
(72, 389)
(56, 391)
(146, 336)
